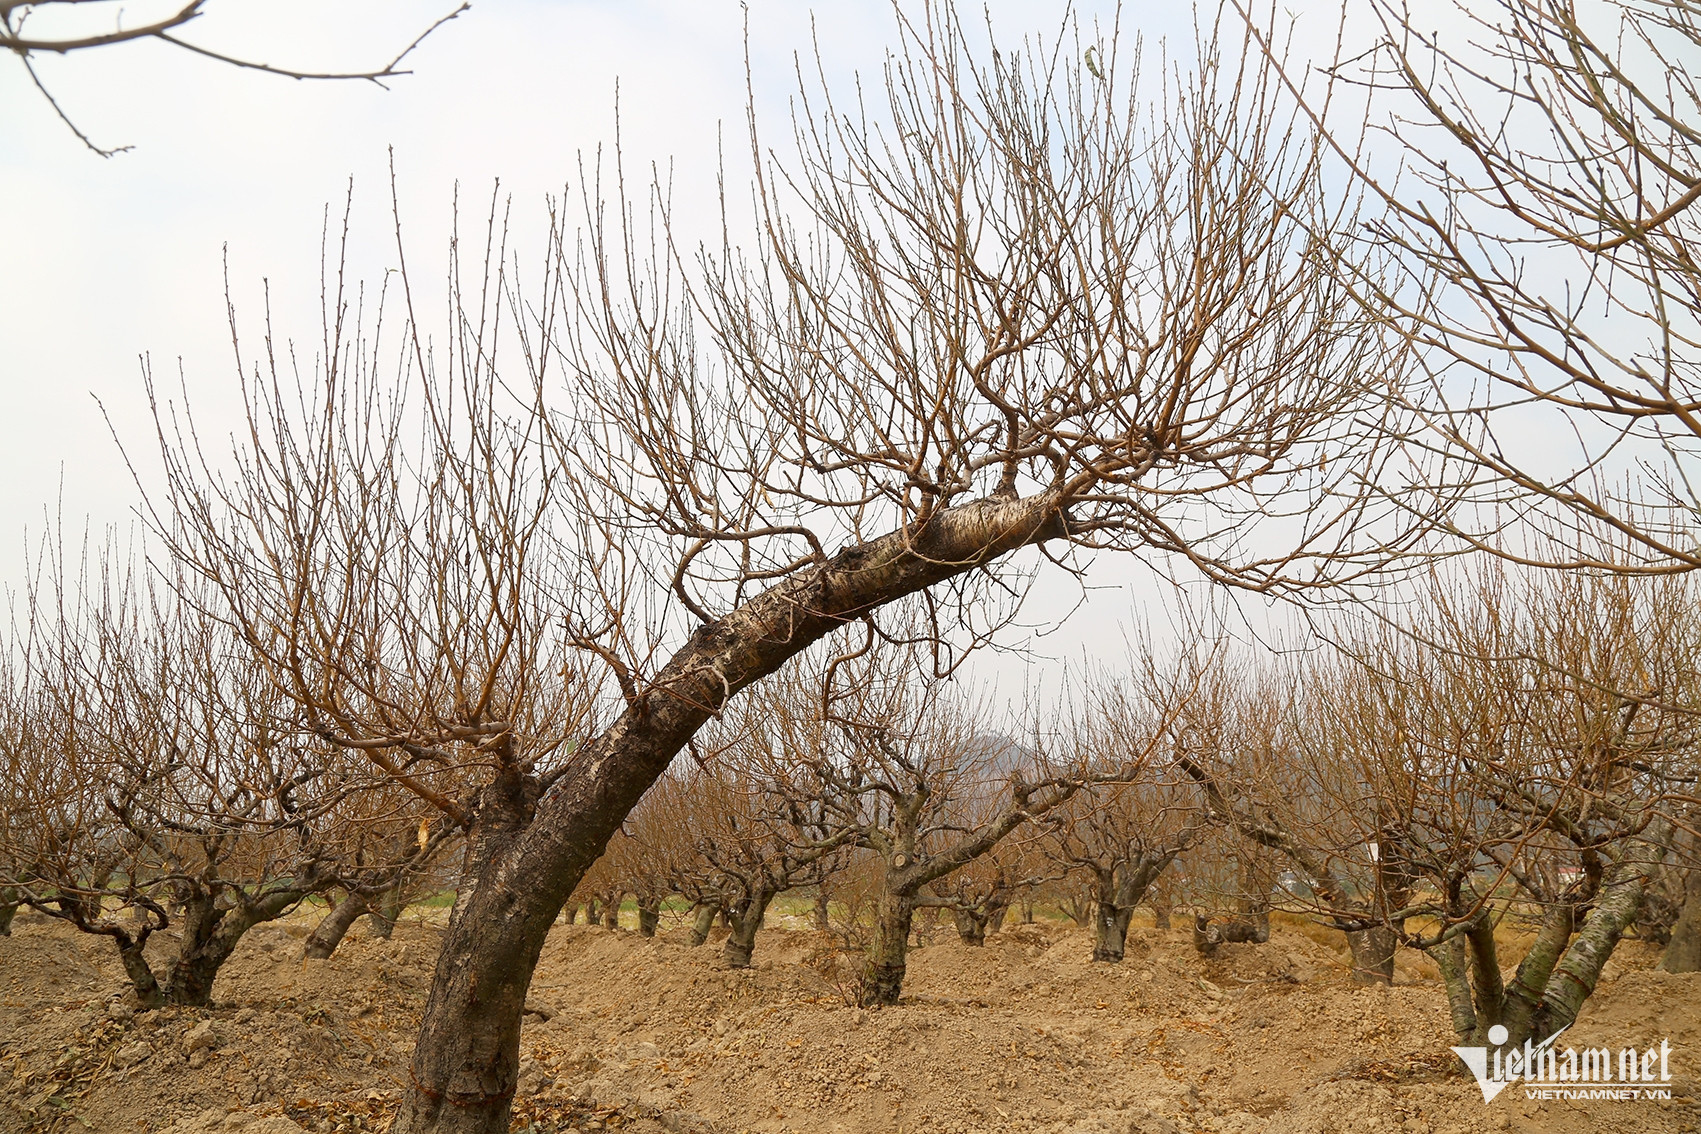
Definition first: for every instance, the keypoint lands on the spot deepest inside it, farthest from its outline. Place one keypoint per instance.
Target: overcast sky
(103, 261)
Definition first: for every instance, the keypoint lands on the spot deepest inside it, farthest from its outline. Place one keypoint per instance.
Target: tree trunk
(8, 907)
(611, 912)
(466, 1060)
(142, 981)
(1160, 916)
(1372, 952)
(1488, 988)
(883, 977)
(522, 864)
(973, 924)
(1208, 935)
(649, 913)
(382, 916)
(211, 934)
(1450, 959)
(329, 933)
(1119, 890)
(1579, 970)
(822, 923)
(1110, 932)
(591, 916)
(702, 920)
(1027, 911)
(746, 923)
(1683, 951)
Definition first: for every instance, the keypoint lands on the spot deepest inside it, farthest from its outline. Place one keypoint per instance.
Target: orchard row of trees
(754, 500)
(1520, 747)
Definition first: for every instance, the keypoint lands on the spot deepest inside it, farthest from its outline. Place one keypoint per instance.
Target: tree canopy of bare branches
(1017, 302)
(1545, 219)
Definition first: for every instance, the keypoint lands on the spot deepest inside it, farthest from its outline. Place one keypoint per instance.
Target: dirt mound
(651, 1035)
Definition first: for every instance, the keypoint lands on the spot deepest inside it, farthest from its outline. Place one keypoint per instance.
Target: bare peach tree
(1565, 735)
(1121, 837)
(73, 27)
(764, 830)
(1013, 305)
(157, 784)
(387, 843)
(907, 770)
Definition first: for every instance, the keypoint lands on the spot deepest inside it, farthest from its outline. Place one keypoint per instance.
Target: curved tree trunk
(747, 920)
(333, 927)
(142, 981)
(702, 920)
(525, 855)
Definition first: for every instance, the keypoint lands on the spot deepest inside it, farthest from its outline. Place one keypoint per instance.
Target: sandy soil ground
(1025, 1034)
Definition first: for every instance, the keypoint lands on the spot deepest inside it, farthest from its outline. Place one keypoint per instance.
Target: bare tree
(389, 842)
(158, 782)
(1006, 308)
(765, 828)
(1121, 837)
(905, 770)
(73, 28)
(978, 894)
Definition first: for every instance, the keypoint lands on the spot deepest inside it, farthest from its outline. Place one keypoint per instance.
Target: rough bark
(1450, 959)
(823, 924)
(1372, 951)
(1209, 935)
(1110, 932)
(649, 914)
(1488, 990)
(333, 927)
(883, 978)
(143, 983)
(747, 918)
(974, 924)
(1579, 969)
(526, 854)
(8, 907)
(211, 934)
(1683, 951)
(1524, 994)
(702, 920)
(1118, 891)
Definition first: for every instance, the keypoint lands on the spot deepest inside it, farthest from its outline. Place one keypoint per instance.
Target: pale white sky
(102, 261)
